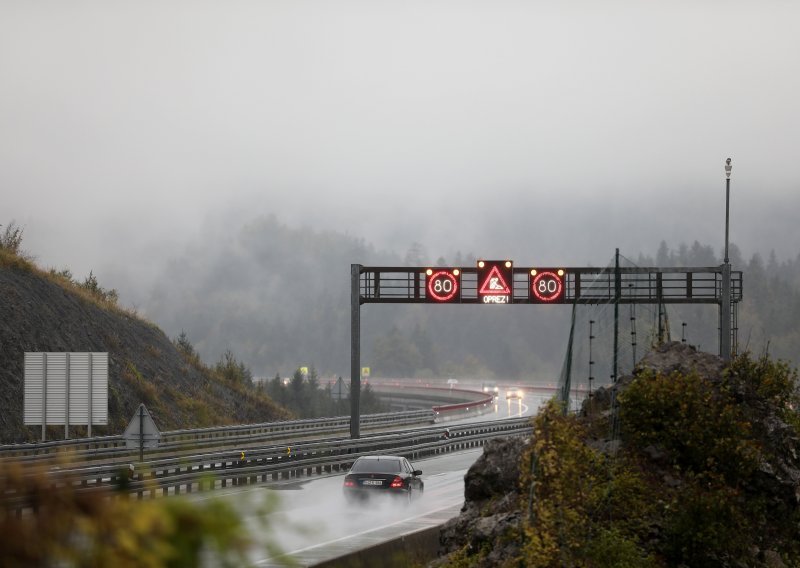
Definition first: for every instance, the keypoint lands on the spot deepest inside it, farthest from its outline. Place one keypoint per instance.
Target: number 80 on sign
(547, 285)
(442, 285)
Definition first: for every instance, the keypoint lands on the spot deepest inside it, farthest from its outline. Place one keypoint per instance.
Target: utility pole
(725, 300)
(617, 297)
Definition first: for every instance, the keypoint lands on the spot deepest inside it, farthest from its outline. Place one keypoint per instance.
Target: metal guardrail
(476, 403)
(109, 446)
(259, 465)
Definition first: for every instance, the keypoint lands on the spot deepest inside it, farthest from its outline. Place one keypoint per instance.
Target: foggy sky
(547, 132)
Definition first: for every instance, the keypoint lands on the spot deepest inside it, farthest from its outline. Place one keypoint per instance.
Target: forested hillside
(280, 297)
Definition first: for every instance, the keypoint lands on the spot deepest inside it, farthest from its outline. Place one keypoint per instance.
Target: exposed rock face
(491, 491)
(683, 358)
(663, 359)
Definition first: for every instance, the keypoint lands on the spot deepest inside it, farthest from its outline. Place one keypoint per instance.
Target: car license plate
(372, 482)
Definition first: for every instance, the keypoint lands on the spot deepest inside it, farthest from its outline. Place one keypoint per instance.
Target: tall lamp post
(725, 307)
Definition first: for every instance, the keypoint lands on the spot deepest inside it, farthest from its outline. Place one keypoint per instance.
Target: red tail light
(349, 483)
(397, 482)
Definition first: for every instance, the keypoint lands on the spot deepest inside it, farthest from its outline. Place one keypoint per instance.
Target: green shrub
(706, 524)
(11, 239)
(700, 425)
(612, 549)
(577, 492)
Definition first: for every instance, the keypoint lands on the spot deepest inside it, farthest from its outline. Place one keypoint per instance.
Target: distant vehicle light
(514, 394)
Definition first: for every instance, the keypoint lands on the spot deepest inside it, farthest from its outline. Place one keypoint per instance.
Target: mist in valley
(222, 165)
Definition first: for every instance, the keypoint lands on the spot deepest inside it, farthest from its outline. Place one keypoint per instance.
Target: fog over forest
(221, 165)
(279, 298)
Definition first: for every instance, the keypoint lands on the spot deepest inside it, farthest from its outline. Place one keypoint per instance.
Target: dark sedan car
(393, 476)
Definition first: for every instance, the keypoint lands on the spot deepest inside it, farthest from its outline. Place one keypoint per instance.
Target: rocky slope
(491, 511)
(704, 471)
(40, 313)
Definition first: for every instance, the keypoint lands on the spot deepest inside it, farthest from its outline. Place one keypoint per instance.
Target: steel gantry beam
(570, 285)
(585, 285)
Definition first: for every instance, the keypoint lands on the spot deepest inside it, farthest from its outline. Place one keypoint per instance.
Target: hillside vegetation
(50, 311)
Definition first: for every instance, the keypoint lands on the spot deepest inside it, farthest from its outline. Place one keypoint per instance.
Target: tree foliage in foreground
(583, 508)
(66, 527)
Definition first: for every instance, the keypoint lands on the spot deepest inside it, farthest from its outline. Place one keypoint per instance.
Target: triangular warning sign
(495, 283)
(142, 430)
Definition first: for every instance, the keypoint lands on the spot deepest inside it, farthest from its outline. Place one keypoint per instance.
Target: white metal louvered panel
(56, 403)
(34, 380)
(51, 369)
(79, 388)
(100, 388)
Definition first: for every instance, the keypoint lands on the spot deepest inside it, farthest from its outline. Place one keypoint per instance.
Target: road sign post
(141, 432)
(355, 349)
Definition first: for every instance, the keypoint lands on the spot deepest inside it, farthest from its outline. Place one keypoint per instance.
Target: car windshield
(376, 466)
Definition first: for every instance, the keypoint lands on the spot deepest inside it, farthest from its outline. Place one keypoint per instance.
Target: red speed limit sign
(443, 285)
(547, 285)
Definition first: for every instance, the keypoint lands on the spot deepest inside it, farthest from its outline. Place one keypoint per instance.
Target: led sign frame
(442, 285)
(547, 285)
(496, 281)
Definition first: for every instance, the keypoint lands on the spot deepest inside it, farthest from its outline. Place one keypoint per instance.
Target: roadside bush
(585, 509)
(698, 423)
(706, 524)
(11, 239)
(91, 285)
(725, 442)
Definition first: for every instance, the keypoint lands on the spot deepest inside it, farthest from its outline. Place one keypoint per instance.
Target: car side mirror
(417, 472)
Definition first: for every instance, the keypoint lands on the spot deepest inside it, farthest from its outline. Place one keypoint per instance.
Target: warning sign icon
(494, 283)
(495, 278)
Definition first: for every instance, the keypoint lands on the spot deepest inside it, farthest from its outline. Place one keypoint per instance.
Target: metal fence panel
(65, 379)
(79, 389)
(99, 388)
(34, 384)
(56, 381)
